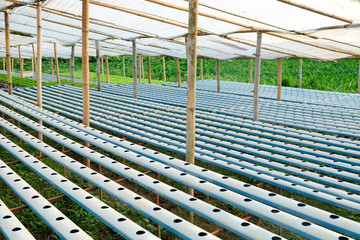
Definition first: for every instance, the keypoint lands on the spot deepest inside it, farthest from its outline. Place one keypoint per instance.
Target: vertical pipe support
(124, 65)
(34, 57)
(257, 76)
(201, 69)
(139, 68)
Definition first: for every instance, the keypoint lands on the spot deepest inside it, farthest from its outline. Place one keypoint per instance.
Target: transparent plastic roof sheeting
(226, 28)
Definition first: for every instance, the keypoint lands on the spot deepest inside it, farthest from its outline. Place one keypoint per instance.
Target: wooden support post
(251, 70)
(56, 64)
(72, 65)
(107, 69)
(279, 78)
(134, 69)
(85, 69)
(257, 76)
(139, 68)
(191, 91)
(4, 64)
(201, 69)
(359, 78)
(34, 56)
(102, 65)
(98, 46)
(8, 53)
(218, 75)
(300, 73)
(52, 65)
(32, 64)
(164, 68)
(39, 59)
(21, 63)
(124, 65)
(149, 69)
(178, 72)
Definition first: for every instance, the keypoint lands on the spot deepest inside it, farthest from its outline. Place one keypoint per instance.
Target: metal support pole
(251, 78)
(279, 78)
(164, 68)
(257, 76)
(178, 71)
(134, 69)
(56, 64)
(8, 53)
(142, 67)
(107, 69)
(201, 69)
(21, 63)
(300, 73)
(98, 74)
(102, 65)
(72, 65)
(191, 91)
(149, 69)
(85, 69)
(39, 60)
(218, 75)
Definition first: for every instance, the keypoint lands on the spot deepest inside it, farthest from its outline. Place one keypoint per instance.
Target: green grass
(338, 76)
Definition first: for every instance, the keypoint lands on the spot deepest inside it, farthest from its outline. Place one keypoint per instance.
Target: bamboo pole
(279, 78)
(318, 11)
(12, 64)
(39, 59)
(191, 83)
(56, 64)
(52, 65)
(139, 68)
(34, 57)
(32, 64)
(218, 75)
(142, 66)
(300, 73)
(98, 74)
(178, 72)
(201, 69)
(257, 76)
(21, 63)
(8, 53)
(251, 70)
(359, 78)
(164, 68)
(85, 69)
(102, 65)
(72, 65)
(4, 65)
(107, 69)
(149, 69)
(124, 65)
(134, 69)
